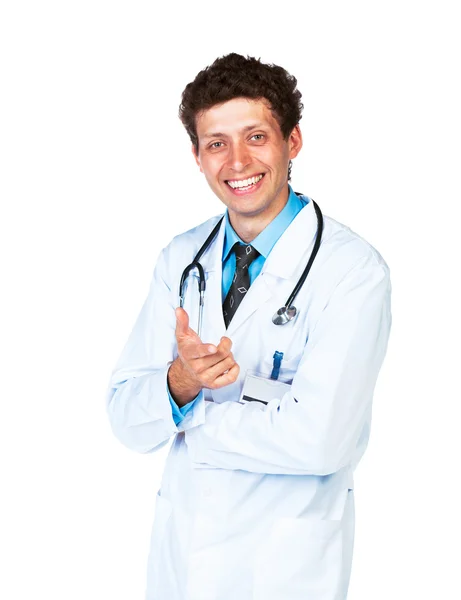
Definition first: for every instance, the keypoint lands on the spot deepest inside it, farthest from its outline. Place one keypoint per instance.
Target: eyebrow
(244, 130)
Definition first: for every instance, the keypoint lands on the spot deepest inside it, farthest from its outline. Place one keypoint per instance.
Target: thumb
(182, 322)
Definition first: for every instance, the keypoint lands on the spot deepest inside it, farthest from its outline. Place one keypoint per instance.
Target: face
(245, 159)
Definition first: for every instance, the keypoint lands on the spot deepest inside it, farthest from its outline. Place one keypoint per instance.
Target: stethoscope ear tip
(284, 315)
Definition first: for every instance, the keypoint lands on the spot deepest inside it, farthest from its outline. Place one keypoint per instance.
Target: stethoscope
(284, 314)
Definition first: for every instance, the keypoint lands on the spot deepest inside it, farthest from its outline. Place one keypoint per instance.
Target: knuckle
(183, 354)
(208, 382)
(198, 367)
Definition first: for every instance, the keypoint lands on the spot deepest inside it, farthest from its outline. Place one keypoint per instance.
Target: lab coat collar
(291, 248)
(288, 258)
(212, 258)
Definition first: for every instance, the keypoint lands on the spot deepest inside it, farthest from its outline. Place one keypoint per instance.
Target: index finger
(193, 351)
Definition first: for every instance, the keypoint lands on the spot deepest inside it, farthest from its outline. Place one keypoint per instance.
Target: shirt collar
(268, 237)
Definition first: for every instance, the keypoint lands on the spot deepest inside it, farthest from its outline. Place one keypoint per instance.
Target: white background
(97, 176)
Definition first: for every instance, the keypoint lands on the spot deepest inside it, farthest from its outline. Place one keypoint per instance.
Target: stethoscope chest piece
(284, 314)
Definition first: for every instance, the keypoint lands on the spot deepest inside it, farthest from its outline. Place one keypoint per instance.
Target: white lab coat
(257, 503)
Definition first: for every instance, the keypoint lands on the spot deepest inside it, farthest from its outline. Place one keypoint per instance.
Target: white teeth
(244, 182)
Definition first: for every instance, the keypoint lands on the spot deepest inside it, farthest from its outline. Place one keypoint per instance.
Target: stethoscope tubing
(315, 249)
(195, 264)
(288, 310)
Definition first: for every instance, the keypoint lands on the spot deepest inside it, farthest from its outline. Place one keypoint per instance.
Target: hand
(199, 365)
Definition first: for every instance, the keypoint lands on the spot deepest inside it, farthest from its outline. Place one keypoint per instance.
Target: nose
(239, 157)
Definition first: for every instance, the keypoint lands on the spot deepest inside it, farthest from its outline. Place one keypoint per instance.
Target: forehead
(235, 116)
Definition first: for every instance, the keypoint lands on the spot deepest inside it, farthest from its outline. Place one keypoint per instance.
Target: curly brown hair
(234, 76)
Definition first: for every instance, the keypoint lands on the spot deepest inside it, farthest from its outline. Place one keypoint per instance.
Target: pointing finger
(202, 350)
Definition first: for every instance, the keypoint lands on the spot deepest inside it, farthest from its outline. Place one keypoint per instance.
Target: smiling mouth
(244, 184)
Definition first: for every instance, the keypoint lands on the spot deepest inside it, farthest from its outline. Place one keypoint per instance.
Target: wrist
(183, 388)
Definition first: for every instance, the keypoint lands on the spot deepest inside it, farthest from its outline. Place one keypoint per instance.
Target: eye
(216, 145)
(258, 137)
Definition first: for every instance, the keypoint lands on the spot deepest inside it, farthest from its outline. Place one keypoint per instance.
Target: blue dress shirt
(263, 243)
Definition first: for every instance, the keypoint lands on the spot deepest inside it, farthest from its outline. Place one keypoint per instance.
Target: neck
(248, 227)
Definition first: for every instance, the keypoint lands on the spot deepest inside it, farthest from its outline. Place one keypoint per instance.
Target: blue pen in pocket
(278, 357)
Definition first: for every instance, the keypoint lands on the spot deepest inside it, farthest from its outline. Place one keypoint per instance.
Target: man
(269, 421)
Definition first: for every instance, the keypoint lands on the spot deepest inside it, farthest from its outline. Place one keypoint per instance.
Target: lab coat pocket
(162, 516)
(301, 558)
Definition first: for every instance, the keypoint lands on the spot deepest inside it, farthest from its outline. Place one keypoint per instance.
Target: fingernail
(211, 349)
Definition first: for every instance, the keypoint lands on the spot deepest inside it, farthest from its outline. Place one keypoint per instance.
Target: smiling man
(246, 166)
(269, 409)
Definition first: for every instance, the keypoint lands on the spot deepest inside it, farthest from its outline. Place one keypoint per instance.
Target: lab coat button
(207, 492)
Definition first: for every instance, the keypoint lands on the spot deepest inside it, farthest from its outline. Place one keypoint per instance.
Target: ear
(197, 159)
(295, 141)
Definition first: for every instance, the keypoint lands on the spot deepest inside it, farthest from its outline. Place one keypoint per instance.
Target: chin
(247, 211)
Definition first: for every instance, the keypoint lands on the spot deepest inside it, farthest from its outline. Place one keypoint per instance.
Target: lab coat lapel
(214, 327)
(286, 261)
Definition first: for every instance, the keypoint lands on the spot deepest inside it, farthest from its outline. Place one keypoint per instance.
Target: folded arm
(321, 424)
